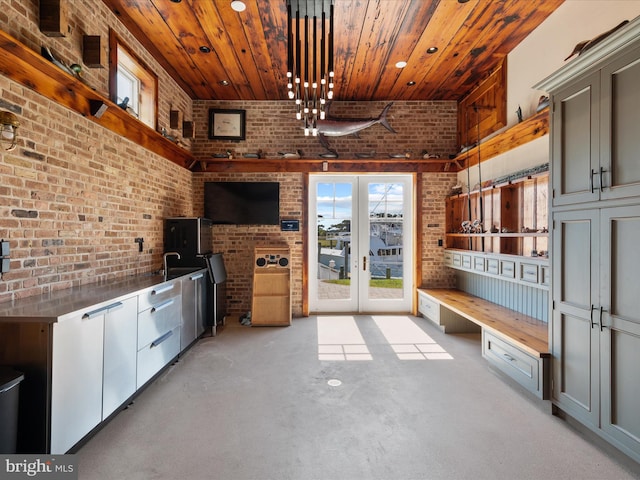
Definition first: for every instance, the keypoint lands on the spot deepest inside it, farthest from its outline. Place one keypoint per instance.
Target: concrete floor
(412, 403)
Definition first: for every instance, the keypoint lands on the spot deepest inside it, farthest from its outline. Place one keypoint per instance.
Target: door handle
(364, 264)
(601, 311)
(593, 324)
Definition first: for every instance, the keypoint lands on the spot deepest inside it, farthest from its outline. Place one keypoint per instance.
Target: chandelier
(310, 59)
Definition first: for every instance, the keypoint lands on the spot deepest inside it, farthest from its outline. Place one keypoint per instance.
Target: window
(131, 79)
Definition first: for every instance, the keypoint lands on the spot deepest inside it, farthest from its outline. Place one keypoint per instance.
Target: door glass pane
(385, 256)
(334, 206)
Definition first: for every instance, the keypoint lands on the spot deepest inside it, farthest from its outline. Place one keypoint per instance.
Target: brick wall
(74, 196)
(272, 128)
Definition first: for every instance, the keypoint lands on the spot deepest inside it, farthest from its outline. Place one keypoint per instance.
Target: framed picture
(226, 124)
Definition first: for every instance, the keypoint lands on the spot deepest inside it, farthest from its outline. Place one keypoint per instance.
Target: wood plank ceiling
(249, 50)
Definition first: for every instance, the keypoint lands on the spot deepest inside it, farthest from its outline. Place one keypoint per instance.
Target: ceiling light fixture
(401, 64)
(411, 83)
(432, 50)
(205, 49)
(238, 6)
(310, 59)
(8, 130)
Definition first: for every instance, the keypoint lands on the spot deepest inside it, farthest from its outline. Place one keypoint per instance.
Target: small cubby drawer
(545, 275)
(520, 366)
(493, 266)
(529, 272)
(466, 261)
(428, 307)
(507, 268)
(478, 264)
(448, 258)
(457, 260)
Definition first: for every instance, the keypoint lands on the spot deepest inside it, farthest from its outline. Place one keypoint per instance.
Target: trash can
(9, 395)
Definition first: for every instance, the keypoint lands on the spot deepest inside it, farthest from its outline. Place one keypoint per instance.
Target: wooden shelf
(524, 132)
(334, 165)
(30, 69)
(511, 206)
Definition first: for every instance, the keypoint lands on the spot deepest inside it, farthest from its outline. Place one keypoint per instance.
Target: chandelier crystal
(310, 59)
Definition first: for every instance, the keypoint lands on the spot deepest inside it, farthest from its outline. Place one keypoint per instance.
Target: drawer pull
(197, 276)
(162, 306)
(158, 291)
(99, 311)
(161, 339)
(508, 357)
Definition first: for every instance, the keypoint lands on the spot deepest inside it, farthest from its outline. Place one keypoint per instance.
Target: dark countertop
(48, 307)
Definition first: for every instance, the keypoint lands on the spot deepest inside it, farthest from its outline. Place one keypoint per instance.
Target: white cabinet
(159, 318)
(76, 378)
(596, 226)
(120, 348)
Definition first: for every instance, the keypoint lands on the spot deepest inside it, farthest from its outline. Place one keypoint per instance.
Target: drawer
(457, 260)
(507, 269)
(529, 273)
(545, 274)
(428, 308)
(478, 264)
(493, 266)
(448, 259)
(466, 261)
(156, 355)
(158, 294)
(157, 320)
(520, 366)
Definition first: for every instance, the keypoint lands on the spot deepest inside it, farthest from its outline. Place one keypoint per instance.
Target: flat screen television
(242, 203)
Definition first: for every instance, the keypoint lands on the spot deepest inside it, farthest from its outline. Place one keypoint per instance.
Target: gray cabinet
(194, 297)
(594, 132)
(595, 329)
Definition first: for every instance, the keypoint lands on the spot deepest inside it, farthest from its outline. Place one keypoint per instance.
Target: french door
(360, 243)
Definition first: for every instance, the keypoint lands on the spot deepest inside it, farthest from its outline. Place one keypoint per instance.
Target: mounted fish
(339, 127)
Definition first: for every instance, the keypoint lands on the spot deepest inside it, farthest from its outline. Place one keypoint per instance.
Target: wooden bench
(515, 343)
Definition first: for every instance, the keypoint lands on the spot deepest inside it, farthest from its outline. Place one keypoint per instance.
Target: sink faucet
(164, 261)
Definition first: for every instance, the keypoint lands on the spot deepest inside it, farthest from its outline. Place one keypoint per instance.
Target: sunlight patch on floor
(408, 340)
(340, 339)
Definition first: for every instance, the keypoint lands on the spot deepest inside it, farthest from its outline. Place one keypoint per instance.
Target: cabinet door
(619, 161)
(201, 302)
(188, 326)
(620, 342)
(120, 351)
(575, 142)
(575, 337)
(76, 381)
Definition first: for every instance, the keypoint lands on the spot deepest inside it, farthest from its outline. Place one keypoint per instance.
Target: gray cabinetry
(194, 292)
(596, 226)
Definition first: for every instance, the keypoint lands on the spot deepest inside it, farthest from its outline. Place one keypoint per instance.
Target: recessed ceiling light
(205, 49)
(238, 6)
(224, 83)
(176, 1)
(432, 49)
(401, 64)
(411, 83)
